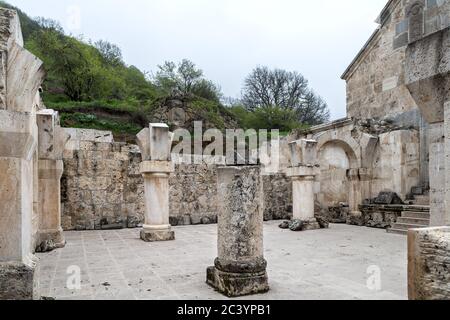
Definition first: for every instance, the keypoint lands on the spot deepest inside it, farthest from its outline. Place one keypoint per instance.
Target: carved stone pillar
(156, 167)
(21, 74)
(355, 194)
(156, 183)
(52, 139)
(427, 76)
(240, 268)
(365, 178)
(303, 171)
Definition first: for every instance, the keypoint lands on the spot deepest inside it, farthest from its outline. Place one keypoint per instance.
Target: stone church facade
(383, 143)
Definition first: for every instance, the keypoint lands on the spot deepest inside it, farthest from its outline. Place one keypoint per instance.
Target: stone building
(383, 144)
(384, 165)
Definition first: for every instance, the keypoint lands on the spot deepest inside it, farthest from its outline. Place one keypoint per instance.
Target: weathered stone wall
(334, 185)
(375, 81)
(375, 86)
(102, 188)
(396, 163)
(99, 186)
(428, 264)
(277, 190)
(193, 194)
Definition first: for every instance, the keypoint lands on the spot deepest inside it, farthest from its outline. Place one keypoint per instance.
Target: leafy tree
(207, 90)
(185, 79)
(269, 117)
(68, 60)
(278, 88)
(111, 53)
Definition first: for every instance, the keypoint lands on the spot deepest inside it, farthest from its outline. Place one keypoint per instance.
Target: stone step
(407, 226)
(418, 215)
(397, 231)
(417, 208)
(414, 220)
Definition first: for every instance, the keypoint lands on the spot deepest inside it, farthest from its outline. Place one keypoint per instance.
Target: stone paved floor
(323, 264)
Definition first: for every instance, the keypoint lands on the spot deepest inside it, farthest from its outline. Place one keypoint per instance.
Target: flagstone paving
(333, 264)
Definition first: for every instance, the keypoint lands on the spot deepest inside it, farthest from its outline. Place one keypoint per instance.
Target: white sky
(228, 38)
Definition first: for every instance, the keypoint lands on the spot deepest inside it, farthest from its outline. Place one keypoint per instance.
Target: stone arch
(346, 142)
(350, 180)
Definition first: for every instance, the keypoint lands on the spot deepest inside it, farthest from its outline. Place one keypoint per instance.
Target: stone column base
(150, 235)
(18, 281)
(51, 240)
(237, 284)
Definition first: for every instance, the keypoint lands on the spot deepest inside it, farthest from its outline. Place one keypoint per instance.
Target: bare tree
(286, 90)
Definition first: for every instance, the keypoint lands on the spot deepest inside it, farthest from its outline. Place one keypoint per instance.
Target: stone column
(359, 189)
(437, 175)
(52, 139)
(240, 268)
(365, 178)
(21, 74)
(303, 171)
(354, 195)
(156, 167)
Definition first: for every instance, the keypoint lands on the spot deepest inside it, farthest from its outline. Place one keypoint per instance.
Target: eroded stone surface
(428, 264)
(240, 268)
(18, 281)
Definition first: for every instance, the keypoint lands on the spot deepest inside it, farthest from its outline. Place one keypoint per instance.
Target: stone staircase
(413, 216)
(416, 214)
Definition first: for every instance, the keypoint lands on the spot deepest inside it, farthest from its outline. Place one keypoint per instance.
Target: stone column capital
(303, 178)
(353, 174)
(17, 139)
(300, 172)
(365, 174)
(156, 167)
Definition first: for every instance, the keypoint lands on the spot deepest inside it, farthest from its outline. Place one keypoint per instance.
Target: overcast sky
(228, 38)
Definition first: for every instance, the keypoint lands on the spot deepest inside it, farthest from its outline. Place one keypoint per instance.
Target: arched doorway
(336, 157)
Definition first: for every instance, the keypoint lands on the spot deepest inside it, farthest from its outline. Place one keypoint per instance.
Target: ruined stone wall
(102, 188)
(99, 186)
(277, 190)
